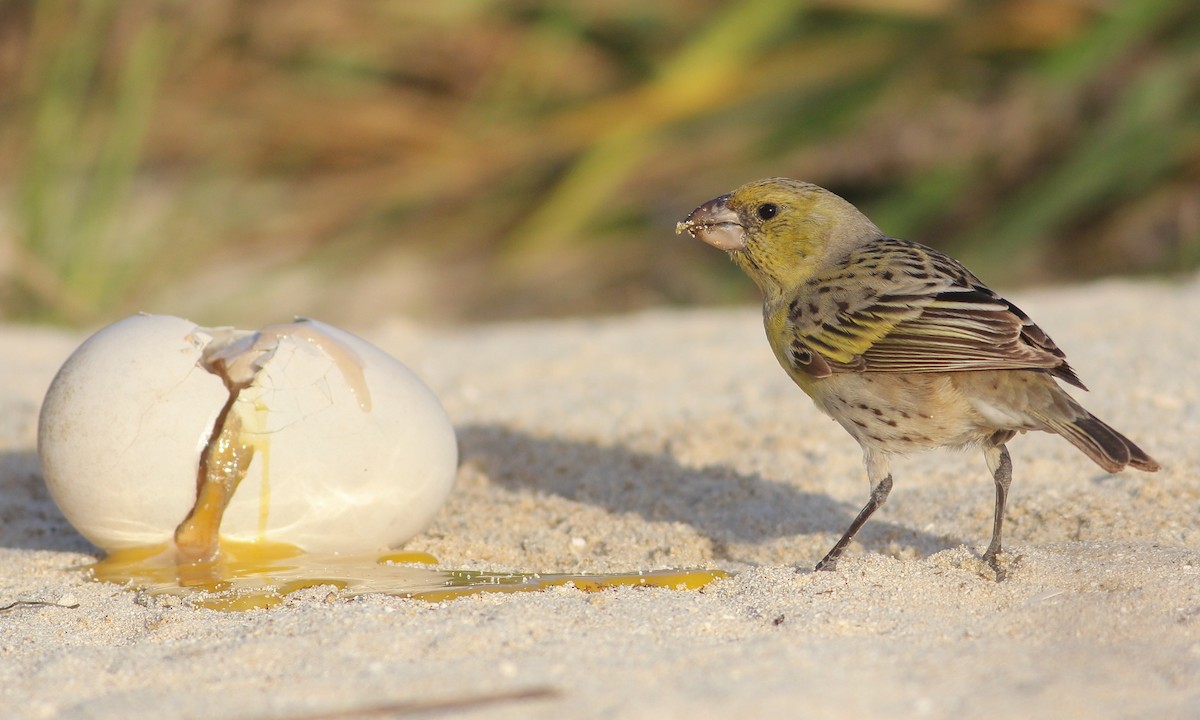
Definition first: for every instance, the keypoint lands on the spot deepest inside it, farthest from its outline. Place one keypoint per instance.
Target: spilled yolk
(247, 576)
(218, 573)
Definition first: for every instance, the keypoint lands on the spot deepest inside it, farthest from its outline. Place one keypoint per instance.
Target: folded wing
(896, 306)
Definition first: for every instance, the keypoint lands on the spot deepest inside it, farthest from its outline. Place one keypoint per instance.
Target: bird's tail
(1105, 446)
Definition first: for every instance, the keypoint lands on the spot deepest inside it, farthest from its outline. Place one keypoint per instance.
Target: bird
(900, 344)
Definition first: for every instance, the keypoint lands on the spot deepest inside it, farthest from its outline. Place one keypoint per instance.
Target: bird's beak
(714, 223)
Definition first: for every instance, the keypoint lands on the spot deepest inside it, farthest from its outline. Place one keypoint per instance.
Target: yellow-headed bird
(900, 344)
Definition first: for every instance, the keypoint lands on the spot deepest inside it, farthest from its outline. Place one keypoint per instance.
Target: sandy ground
(671, 439)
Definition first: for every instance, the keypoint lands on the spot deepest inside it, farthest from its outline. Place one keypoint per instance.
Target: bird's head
(780, 231)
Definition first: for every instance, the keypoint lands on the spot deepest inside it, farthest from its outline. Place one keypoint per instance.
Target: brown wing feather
(896, 306)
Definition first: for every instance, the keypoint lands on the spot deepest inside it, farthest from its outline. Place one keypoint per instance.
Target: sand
(671, 439)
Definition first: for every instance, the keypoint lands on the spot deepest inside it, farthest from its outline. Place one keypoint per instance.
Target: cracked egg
(157, 430)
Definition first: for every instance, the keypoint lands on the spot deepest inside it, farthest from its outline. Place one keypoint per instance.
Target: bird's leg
(881, 484)
(1000, 464)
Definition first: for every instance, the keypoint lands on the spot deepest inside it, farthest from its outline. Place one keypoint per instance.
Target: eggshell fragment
(352, 452)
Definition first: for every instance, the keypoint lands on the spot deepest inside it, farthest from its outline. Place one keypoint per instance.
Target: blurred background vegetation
(465, 160)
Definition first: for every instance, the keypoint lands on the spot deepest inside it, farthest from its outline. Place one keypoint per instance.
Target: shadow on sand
(29, 519)
(723, 505)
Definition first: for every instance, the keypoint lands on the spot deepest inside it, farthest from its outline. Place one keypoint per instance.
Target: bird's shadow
(725, 506)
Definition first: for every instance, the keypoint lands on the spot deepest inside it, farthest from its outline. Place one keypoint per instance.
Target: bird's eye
(766, 211)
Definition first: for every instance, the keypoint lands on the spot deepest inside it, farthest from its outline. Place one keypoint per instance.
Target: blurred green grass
(469, 160)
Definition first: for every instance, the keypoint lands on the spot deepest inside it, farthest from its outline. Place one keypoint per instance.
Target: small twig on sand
(36, 603)
(418, 707)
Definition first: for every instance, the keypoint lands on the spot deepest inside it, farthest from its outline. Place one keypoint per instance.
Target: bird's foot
(998, 565)
(828, 563)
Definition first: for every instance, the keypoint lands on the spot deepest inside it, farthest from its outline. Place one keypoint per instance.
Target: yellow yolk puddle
(247, 576)
(214, 572)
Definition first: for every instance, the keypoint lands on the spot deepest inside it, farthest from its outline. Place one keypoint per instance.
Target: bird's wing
(895, 306)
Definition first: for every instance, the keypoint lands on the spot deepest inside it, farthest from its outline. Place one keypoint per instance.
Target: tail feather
(1105, 446)
(1139, 459)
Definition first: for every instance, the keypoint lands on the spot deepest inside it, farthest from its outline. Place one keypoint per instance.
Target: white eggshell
(353, 452)
(122, 428)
